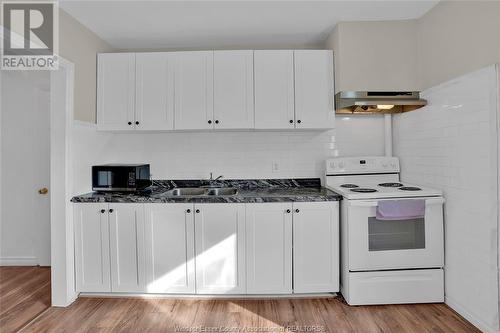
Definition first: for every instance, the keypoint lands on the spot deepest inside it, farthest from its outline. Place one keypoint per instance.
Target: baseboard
(207, 297)
(472, 318)
(18, 261)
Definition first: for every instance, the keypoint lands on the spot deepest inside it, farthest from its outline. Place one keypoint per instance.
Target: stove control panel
(362, 165)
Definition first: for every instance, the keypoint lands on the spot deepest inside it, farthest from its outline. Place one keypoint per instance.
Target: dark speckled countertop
(249, 191)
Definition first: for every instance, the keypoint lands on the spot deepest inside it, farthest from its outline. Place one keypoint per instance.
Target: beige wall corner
(375, 55)
(80, 45)
(457, 37)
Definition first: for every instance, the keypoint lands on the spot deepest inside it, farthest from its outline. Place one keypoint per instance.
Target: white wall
(452, 144)
(249, 154)
(25, 224)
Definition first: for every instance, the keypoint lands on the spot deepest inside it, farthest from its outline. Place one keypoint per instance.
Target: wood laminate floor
(24, 294)
(214, 316)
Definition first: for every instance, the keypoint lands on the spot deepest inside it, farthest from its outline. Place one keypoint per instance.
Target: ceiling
(219, 24)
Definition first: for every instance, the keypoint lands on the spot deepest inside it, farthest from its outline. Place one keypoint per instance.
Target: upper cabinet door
(115, 91)
(220, 248)
(269, 248)
(315, 247)
(233, 90)
(170, 266)
(154, 102)
(194, 90)
(314, 91)
(92, 247)
(126, 229)
(274, 94)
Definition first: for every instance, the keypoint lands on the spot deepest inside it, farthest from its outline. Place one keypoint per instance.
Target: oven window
(395, 234)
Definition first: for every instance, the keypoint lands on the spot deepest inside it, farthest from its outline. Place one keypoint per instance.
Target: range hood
(377, 102)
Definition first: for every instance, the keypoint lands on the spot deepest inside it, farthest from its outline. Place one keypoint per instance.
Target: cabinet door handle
(299, 121)
(288, 211)
(188, 211)
(209, 121)
(137, 123)
(103, 211)
(216, 121)
(291, 121)
(197, 211)
(111, 211)
(297, 211)
(130, 123)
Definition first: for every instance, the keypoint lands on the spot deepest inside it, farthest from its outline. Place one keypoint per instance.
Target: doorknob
(43, 190)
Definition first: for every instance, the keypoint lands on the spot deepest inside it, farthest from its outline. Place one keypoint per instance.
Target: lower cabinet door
(92, 247)
(269, 248)
(169, 240)
(126, 227)
(315, 247)
(220, 248)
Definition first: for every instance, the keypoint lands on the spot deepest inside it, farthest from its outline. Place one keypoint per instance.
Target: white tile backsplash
(452, 144)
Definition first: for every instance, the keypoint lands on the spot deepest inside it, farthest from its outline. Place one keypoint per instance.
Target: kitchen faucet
(212, 177)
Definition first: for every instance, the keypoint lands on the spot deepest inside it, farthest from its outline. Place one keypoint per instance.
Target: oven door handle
(428, 201)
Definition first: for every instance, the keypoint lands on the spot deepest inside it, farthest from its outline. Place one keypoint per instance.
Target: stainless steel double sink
(195, 191)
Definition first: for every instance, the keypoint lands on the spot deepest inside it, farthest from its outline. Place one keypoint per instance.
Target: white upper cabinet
(116, 91)
(274, 92)
(269, 248)
(169, 239)
(233, 90)
(220, 248)
(315, 247)
(154, 91)
(194, 90)
(126, 230)
(314, 90)
(92, 247)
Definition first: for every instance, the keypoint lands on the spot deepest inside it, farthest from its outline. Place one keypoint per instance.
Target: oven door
(396, 244)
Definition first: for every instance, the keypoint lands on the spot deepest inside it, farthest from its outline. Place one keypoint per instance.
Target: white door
(127, 247)
(412, 243)
(315, 247)
(194, 90)
(154, 101)
(233, 90)
(269, 248)
(314, 91)
(220, 248)
(169, 241)
(92, 247)
(274, 92)
(115, 91)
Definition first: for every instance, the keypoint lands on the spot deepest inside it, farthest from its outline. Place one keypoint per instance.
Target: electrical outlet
(276, 166)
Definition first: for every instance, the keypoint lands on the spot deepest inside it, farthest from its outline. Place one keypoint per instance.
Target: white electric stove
(386, 261)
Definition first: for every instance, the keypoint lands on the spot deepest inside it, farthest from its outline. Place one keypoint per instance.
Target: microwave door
(396, 244)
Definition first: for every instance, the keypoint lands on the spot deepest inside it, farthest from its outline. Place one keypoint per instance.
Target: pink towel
(400, 209)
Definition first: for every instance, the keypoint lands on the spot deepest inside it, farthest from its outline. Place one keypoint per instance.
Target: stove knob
(333, 165)
(341, 165)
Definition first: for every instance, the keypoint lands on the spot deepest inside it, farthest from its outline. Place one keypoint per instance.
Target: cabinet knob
(103, 211)
(299, 121)
(209, 121)
(137, 123)
(130, 123)
(188, 211)
(216, 121)
(288, 211)
(291, 121)
(197, 211)
(111, 210)
(296, 211)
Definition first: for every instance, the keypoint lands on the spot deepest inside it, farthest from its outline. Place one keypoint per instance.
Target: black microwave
(120, 177)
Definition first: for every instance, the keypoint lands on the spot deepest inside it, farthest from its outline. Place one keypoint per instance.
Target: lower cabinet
(92, 247)
(126, 243)
(315, 247)
(269, 248)
(169, 240)
(220, 248)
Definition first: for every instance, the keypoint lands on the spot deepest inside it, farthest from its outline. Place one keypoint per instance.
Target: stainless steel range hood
(377, 102)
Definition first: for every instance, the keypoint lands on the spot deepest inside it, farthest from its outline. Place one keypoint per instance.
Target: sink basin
(187, 191)
(222, 191)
